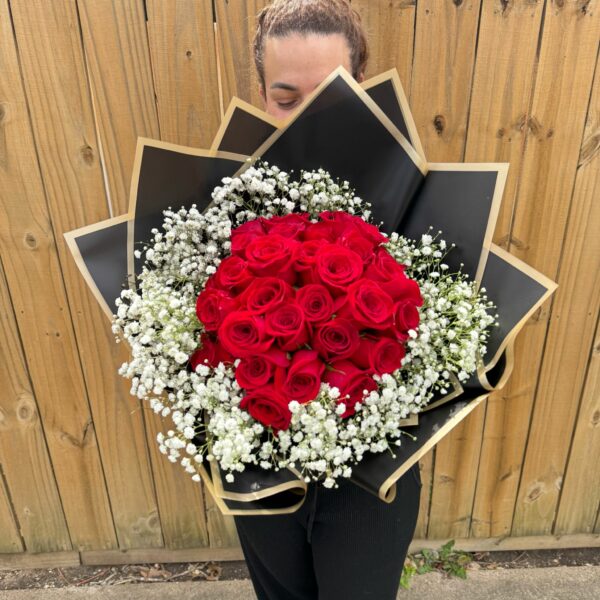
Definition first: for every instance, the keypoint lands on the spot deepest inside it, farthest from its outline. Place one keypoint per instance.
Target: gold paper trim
(418, 161)
(502, 173)
(394, 78)
(70, 238)
(384, 489)
(541, 279)
(143, 142)
(239, 104)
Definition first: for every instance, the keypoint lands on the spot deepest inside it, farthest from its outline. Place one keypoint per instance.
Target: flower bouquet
(291, 304)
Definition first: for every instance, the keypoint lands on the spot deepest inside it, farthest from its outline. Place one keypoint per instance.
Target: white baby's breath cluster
(158, 321)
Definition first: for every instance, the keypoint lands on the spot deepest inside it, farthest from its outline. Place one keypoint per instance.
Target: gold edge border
(541, 279)
(141, 144)
(433, 440)
(70, 239)
(455, 393)
(249, 496)
(418, 161)
(393, 76)
(238, 103)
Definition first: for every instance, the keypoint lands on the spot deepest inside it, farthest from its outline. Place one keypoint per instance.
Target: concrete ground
(549, 583)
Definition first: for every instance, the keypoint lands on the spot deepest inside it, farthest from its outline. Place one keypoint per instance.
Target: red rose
(268, 406)
(241, 236)
(316, 302)
(233, 274)
(345, 223)
(243, 334)
(351, 381)
(257, 370)
(358, 243)
(289, 226)
(336, 339)
(210, 353)
(305, 254)
(383, 355)
(406, 316)
(368, 305)
(337, 267)
(303, 378)
(271, 255)
(265, 294)
(391, 277)
(212, 306)
(286, 323)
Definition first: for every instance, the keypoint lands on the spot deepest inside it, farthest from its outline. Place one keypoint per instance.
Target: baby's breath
(158, 321)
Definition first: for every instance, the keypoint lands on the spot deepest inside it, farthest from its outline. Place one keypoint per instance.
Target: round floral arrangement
(281, 328)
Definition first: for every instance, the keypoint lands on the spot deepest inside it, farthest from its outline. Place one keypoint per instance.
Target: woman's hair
(323, 17)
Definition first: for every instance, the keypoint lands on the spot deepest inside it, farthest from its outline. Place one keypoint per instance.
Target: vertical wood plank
(24, 455)
(236, 24)
(580, 498)
(10, 541)
(182, 46)
(570, 337)
(445, 36)
(55, 80)
(118, 59)
(500, 98)
(560, 102)
(36, 287)
(390, 28)
(117, 47)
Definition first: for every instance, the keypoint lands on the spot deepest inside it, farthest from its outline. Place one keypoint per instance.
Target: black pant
(341, 544)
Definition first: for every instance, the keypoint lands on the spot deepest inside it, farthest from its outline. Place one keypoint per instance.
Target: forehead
(302, 61)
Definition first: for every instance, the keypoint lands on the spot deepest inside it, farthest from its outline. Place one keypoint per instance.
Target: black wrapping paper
(367, 136)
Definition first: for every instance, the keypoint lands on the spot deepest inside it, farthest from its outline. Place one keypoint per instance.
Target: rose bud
(243, 334)
(336, 339)
(316, 302)
(257, 370)
(337, 267)
(350, 381)
(268, 406)
(368, 305)
(383, 355)
(302, 380)
(287, 325)
(265, 294)
(212, 305)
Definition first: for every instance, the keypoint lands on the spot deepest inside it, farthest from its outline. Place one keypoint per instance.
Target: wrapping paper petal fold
(366, 135)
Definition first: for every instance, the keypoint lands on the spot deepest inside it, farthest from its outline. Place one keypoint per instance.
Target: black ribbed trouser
(341, 544)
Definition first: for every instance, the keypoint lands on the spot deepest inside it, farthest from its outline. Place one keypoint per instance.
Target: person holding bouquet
(343, 542)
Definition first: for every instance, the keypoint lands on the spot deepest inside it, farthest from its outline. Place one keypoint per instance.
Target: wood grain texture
(390, 28)
(184, 64)
(445, 40)
(580, 499)
(446, 34)
(55, 82)
(25, 464)
(180, 500)
(568, 370)
(118, 59)
(545, 200)
(236, 23)
(36, 287)
(500, 100)
(117, 46)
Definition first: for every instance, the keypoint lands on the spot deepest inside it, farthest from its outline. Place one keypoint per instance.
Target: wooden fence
(509, 80)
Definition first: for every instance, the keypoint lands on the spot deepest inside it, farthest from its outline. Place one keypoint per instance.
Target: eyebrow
(283, 86)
